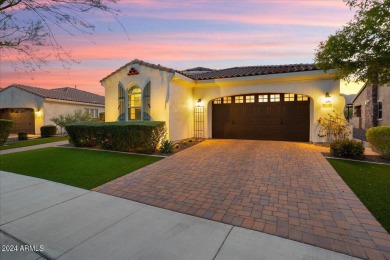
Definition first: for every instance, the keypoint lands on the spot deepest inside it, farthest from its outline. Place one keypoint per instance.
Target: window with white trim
(93, 113)
(134, 103)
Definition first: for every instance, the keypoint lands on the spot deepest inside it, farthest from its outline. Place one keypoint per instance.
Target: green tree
(28, 28)
(361, 49)
(78, 115)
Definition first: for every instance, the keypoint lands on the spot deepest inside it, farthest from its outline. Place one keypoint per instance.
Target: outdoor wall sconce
(199, 102)
(327, 101)
(38, 113)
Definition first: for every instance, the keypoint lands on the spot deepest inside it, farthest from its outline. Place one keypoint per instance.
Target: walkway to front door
(281, 188)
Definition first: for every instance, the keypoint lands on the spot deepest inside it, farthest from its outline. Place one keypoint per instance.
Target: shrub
(132, 136)
(48, 130)
(334, 127)
(347, 149)
(78, 115)
(22, 136)
(166, 146)
(379, 139)
(5, 130)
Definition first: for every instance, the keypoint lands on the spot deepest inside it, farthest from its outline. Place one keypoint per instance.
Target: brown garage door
(284, 117)
(23, 119)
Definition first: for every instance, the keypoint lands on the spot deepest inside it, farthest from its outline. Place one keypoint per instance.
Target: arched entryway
(23, 118)
(262, 116)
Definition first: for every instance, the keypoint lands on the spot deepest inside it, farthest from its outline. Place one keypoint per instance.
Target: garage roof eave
(301, 76)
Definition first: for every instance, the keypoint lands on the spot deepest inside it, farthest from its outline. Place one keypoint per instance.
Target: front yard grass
(371, 183)
(31, 142)
(76, 167)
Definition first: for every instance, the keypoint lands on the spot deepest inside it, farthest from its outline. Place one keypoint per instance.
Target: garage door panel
(23, 118)
(263, 121)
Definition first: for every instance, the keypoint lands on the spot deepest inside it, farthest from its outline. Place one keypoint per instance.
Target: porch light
(38, 113)
(327, 101)
(199, 102)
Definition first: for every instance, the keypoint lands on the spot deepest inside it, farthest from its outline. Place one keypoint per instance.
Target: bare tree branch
(28, 27)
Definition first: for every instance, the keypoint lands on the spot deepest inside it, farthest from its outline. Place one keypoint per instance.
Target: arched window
(146, 103)
(134, 105)
(121, 104)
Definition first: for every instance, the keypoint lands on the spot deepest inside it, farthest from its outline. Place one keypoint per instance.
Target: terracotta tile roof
(198, 69)
(252, 71)
(225, 73)
(68, 94)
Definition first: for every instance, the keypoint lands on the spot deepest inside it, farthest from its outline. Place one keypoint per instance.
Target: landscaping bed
(81, 168)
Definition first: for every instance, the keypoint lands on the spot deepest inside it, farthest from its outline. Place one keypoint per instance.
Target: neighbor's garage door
(284, 117)
(23, 119)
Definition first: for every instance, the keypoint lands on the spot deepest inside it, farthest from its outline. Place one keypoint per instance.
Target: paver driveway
(281, 188)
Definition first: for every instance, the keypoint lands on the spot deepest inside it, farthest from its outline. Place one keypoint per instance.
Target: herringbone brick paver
(281, 188)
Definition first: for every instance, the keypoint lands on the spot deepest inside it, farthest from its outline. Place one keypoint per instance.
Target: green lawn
(31, 142)
(81, 168)
(371, 183)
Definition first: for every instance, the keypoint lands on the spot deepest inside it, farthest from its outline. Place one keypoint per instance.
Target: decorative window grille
(199, 122)
(250, 99)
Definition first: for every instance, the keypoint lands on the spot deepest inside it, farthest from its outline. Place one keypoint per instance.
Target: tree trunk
(371, 106)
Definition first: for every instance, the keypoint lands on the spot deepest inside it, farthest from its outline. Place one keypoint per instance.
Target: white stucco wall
(311, 84)
(181, 107)
(159, 91)
(16, 98)
(53, 108)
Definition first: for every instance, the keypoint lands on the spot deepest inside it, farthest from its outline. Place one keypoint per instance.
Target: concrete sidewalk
(63, 222)
(34, 147)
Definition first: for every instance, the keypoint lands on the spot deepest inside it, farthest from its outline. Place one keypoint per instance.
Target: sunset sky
(185, 34)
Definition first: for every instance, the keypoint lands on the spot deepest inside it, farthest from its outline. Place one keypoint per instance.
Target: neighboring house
(257, 102)
(31, 107)
(371, 107)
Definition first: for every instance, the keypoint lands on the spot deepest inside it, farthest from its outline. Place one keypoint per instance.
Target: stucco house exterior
(371, 107)
(32, 107)
(256, 102)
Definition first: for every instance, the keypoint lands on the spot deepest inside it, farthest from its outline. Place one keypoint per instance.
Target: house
(255, 102)
(32, 107)
(371, 107)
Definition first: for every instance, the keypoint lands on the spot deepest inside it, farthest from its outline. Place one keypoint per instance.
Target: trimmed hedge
(379, 139)
(48, 130)
(132, 136)
(22, 136)
(345, 148)
(5, 130)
